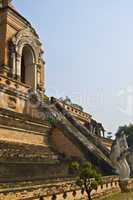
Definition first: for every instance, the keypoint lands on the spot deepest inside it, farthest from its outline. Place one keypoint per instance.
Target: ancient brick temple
(23, 138)
(32, 149)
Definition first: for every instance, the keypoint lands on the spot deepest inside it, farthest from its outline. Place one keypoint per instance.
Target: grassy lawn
(124, 196)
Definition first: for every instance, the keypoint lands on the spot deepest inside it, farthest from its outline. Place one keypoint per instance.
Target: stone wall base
(58, 189)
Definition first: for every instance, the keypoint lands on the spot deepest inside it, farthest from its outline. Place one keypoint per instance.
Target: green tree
(128, 131)
(88, 178)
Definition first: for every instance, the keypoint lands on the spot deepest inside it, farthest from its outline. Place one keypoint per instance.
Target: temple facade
(39, 139)
(21, 63)
(21, 72)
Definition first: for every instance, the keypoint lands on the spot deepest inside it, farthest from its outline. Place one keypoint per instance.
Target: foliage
(88, 178)
(74, 167)
(45, 99)
(52, 121)
(128, 131)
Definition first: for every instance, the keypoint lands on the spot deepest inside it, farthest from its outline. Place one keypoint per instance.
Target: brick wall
(64, 145)
(15, 127)
(22, 136)
(59, 187)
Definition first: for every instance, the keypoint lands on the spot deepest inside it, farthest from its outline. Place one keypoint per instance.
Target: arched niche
(26, 57)
(28, 67)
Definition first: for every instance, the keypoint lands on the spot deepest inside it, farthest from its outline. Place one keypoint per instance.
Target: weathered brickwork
(64, 145)
(21, 128)
(14, 135)
(58, 188)
(31, 165)
(80, 115)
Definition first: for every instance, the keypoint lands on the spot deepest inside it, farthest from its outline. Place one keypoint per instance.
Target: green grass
(121, 196)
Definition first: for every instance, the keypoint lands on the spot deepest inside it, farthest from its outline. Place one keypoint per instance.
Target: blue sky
(88, 52)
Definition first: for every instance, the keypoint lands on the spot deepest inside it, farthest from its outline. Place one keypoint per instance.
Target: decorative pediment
(28, 33)
(29, 37)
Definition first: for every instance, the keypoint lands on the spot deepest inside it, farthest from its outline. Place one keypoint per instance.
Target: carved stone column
(18, 67)
(35, 77)
(13, 61)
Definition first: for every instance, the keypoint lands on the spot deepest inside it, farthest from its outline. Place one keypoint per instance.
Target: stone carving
(118, 156)
(24, 37)
(12, 103)
(27, 37)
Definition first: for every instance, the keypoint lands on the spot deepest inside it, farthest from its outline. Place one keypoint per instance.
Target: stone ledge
(25, 117)
(58, 187)
(20, 152)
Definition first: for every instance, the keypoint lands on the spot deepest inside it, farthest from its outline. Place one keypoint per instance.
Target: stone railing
(92, 147)
(80, 115)
(59, 189)
(96, 140)
(12, 85)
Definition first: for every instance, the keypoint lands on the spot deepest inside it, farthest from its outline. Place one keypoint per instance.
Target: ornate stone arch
(26, 37)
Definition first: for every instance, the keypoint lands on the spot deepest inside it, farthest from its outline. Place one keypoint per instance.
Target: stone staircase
(92, 148)
(92, 138)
